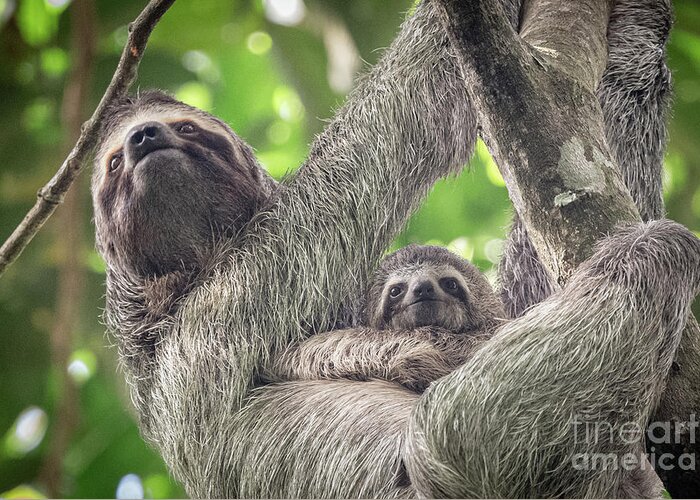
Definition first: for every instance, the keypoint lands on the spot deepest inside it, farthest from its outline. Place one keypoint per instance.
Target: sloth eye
(451, 285)
(116, 161)
(186, 128)
(395, 291)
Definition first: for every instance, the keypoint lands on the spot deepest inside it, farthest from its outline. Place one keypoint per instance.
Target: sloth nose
(145, 138)
(424, 290)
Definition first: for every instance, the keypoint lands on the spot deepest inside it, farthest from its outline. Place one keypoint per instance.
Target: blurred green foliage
(275, 73)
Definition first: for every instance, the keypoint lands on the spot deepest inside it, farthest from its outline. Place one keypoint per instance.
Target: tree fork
(542, 121)
(535, 97)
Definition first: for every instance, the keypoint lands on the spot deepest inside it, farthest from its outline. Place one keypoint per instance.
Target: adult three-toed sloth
(213, 269)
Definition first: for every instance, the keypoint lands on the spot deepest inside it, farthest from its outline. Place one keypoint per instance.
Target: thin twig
(52, 194)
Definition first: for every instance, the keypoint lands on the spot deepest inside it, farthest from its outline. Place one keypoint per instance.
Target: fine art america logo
(597, 435)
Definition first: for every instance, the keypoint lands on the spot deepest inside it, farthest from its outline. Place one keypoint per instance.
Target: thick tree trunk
(542, 121)
(537, 106)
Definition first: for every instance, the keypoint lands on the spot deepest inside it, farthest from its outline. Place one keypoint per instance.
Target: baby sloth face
(426, 296)
(430, 286)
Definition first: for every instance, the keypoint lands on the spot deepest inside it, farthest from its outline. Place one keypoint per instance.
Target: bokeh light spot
(287, 104)
(37, 115)
(7, 7)
(37, 21)
(462, 247)
(22, 491)
(119, 38)
(279, 132)
(78, 371)
(285, 12)
(259, 42)
(196, 94)
(196, 61)
(200, 63)
(82, 365)
(130, 487)
(493, 250)
(54, 62)
(60, 4)
(157, 486)
(27, 432)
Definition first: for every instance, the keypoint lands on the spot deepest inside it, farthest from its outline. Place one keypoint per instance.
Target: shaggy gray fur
(193, 367)
(496, 429)
(408, 353)
(412, 358)
(194, 340)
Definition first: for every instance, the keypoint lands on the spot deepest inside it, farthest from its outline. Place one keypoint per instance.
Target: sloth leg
(545, 408)
(323, 439)
(523, 279)
(634, 94)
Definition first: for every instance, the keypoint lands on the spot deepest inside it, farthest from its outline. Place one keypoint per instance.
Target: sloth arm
(599, 352)
(411, 358)
(406, 125)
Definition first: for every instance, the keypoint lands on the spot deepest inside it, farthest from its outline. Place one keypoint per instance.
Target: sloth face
(169, 181)
(430, 286)
(426, 295)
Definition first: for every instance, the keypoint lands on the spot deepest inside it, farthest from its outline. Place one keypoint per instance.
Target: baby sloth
(430, 286)
(426, 312)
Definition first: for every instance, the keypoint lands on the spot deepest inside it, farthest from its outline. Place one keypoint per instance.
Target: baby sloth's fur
(427, 311)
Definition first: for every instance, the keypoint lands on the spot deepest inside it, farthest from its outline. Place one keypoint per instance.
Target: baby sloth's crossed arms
(427, 312)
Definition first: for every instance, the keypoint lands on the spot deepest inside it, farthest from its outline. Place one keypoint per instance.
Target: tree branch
(542, 121)
(571, 34)
(52, 194)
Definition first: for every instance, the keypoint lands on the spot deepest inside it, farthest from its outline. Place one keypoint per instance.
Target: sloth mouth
(158, 162)
(155, 152)
(421, 301)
